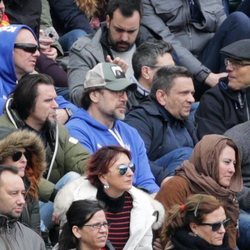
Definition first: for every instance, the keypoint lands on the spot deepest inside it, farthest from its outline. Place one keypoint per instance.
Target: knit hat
(239, 50)
(109, 76)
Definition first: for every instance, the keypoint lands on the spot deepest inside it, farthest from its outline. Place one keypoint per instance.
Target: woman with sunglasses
(24, 150)
(214, 169)
(200, 223)
(86, 227)
(131, 212)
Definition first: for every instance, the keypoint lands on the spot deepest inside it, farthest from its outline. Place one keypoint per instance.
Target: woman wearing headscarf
(214, 169)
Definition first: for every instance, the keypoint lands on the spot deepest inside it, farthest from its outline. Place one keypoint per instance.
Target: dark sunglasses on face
(123, 168)
(18, 155)
(217, 225)
(27, 47)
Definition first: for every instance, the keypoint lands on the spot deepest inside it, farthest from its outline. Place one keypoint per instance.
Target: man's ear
(94, 96)
(107, 20)
(145, 72)
(161, 97)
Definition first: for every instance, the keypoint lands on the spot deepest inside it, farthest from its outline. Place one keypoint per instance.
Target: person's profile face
(123, 31)
(24, 61)
(227, 162)
(206, 232)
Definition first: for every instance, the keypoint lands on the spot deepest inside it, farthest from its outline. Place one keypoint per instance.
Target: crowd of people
(124, 125)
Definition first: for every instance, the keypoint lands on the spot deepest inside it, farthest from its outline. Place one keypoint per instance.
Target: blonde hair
(194, 210)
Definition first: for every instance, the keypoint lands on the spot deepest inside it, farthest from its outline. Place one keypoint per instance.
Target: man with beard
(13, 234)
(99, 123)
(33, 106)
(114, 42)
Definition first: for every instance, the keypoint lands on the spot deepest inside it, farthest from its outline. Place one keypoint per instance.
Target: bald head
(25, 60)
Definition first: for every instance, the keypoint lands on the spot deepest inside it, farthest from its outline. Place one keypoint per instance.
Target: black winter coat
(221, 108)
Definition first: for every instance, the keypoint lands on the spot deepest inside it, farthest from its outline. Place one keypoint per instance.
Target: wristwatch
(69, 112)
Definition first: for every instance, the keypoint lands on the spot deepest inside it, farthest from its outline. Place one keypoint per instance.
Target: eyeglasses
(217, 225)
(235, 63)
(123, 168)
(97, 226)
(18, 155)
(27, 47)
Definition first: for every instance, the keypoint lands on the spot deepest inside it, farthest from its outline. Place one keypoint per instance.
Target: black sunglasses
(217, 225)
(123, 168)
(18, 155)
(28, 47)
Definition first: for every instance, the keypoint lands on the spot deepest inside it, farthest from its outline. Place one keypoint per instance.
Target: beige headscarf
(202, 172)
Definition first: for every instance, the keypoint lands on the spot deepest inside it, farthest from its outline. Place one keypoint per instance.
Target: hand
(51, 53)
(95, 22)
(55, 218)
(118, 61)
(213, 79)
(44, 41)
(62, 116)
(157, 244)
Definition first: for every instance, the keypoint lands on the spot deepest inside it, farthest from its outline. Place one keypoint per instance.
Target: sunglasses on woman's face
(27, 47)
(123, 168)
(18, 155)
(217, 225)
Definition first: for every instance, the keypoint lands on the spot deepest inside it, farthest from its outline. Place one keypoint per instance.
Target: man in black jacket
(228, 103)
(164, 121)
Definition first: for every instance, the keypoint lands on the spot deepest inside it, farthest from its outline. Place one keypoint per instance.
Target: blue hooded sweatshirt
(8, 78)
(93, 135)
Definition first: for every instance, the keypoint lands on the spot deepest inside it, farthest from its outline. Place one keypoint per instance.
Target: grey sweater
(240, 134)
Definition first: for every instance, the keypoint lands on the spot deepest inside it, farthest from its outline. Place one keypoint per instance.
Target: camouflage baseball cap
(109, 76)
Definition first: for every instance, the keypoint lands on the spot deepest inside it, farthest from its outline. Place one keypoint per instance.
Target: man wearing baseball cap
(228, 103)
(98, 122)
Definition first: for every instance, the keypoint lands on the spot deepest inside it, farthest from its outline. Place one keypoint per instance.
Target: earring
(106, 186)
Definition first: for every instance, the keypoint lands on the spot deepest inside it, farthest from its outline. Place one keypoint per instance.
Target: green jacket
(64, 154)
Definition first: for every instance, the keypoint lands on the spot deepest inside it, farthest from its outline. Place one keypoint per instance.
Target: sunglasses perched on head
(123, 168)
(217, 225)
(18, 155)
(27, 47)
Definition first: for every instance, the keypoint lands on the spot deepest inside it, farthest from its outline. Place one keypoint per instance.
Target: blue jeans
(69, 38)
(172, 160)
(243, 241)
(46, 208)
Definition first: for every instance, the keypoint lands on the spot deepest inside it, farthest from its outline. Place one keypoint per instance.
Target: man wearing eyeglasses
(228, 103)
(99, 123)
(13, 234)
